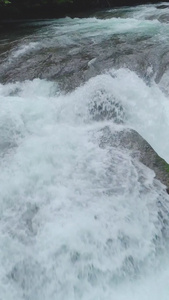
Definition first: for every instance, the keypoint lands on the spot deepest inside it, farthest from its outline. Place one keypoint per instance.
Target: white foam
(78, 221)
(81, 219)
(25, 49)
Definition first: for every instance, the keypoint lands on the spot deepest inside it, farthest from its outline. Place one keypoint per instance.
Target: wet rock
(140, 148)
(104, 107)
(162, 6)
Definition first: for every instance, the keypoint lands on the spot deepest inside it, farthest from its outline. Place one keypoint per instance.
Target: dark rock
(162, 6)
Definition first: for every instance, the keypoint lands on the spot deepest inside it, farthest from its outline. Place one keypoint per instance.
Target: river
(79, 220)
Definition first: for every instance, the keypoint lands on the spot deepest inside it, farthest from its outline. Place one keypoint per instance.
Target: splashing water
(78, 220)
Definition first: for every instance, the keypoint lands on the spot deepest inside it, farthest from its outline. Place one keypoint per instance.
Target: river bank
(73, 9)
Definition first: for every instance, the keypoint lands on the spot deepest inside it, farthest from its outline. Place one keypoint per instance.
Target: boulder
(140, 148)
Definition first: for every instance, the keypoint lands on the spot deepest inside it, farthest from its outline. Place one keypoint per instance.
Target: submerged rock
(103, 107)
(140, 148)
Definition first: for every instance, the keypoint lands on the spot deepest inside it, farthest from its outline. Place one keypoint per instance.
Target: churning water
(80, 219)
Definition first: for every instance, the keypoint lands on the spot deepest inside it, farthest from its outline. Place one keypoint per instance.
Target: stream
(80, 219)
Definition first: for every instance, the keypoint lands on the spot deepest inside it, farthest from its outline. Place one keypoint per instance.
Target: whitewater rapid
(80, 219)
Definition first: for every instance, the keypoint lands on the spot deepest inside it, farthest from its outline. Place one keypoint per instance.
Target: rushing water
(79, 219)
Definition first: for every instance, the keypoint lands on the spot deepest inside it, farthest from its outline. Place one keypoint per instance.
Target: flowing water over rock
(82, 213)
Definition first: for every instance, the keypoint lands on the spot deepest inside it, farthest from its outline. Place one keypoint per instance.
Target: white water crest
(77, 32)
(81, 219)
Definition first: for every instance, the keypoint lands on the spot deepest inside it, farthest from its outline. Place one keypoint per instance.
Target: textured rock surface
(140, 148)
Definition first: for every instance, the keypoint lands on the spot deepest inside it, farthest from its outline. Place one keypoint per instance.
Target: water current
(79, 218)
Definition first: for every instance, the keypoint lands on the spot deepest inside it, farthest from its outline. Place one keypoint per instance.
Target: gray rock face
(140, 148)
